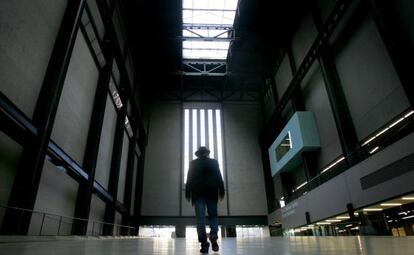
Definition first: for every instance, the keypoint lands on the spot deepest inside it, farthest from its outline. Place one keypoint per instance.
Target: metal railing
(50, 224)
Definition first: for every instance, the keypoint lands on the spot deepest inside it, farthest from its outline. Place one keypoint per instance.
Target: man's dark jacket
(204, 180)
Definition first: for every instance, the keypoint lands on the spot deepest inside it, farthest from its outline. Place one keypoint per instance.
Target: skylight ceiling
(207, 28)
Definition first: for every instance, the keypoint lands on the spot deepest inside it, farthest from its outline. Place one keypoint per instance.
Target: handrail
(61, 217)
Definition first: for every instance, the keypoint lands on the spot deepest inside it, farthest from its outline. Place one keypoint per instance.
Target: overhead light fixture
(393, 124)
(333, 220)
(374, 150)
(300, 186)
(408, 114)
(323, 223)
(333, 164)
(408, 217)
(372, 209)
(343, 217)
(396, 122)
(408, 198)
(391, 204)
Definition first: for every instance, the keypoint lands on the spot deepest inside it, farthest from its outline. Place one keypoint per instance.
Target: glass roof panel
(206, 45)
(210, 4)
(208, 17)
(220, 33)
(207, 12)
(204, 54)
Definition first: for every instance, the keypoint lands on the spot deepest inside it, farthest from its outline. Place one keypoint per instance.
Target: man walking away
(204, 187)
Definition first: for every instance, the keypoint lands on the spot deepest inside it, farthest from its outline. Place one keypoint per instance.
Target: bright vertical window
(202, 128)
(195, 134)
(210, 133)
(219, 141)
(186, 141)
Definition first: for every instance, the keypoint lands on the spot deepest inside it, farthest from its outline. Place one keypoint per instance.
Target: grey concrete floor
(229, 246)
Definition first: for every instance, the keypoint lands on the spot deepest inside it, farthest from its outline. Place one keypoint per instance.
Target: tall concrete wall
(56, 195)
(246, 189)
(10, 152)
(123, 169)
(316, 100)
(161, 189)
(71, 127)
(28, 30)
(23, 64)
(57, 191)
(283, 76)
(243, 168)
(364, 66)
(106, 142)
(315, 96)
(97, 215)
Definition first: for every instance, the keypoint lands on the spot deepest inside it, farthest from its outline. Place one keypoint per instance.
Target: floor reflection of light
(162, 245)
(191, 233)
(360, 245)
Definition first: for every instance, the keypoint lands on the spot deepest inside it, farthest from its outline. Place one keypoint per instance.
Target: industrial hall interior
(298, 116)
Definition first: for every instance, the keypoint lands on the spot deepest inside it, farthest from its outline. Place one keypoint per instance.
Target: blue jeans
(200, 210)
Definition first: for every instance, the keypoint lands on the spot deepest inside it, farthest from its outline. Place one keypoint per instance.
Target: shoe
(214, 245)
(204, 248)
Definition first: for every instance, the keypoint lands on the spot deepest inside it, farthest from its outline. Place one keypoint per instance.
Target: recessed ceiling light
(374, 150)
(372, 209)
(343, 217)
(333, 220)
(408, 114)
(391, 204)
(408, 198)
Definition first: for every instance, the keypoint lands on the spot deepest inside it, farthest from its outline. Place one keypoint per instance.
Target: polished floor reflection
(229, 246)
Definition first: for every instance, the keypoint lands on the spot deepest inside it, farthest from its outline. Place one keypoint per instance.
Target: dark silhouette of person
(204, 186)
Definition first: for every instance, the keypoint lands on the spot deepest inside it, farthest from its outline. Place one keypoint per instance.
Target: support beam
(115, 168)
(274, 90)
(28, 174)
(298, 104)
(126, 219)
(139, 182)
(84, 198)
(297, 98)
(269, 186)
(339, 106)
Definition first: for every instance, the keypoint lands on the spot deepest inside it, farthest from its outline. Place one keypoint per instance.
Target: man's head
(202, 152)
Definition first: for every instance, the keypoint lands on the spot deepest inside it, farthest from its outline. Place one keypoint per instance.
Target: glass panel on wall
(284, 146)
